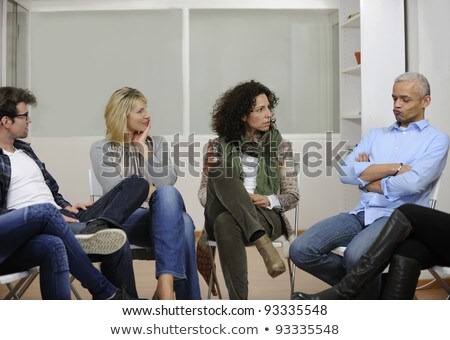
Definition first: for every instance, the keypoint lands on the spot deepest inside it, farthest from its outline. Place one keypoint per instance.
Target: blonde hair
(117, 110)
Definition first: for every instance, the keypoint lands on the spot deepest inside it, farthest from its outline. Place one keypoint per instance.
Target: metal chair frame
(24, 280)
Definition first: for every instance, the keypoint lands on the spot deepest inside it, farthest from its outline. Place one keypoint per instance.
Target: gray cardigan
(106, 159)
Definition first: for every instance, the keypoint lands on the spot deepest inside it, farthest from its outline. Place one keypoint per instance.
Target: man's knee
(302, 252)
(51, 249)
(137, 184)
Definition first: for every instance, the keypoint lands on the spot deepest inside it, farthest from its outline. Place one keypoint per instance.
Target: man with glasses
(24, 181)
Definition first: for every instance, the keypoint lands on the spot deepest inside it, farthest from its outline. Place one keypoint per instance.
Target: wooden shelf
(353, 22)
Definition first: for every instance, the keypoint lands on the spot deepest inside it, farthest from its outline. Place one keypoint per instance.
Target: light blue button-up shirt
(419, 145)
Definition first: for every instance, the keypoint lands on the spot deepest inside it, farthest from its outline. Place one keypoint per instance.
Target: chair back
(434, 193)
(95, 189)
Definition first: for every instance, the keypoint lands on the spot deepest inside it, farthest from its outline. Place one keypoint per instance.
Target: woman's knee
(169, 195)
(226, 227)
(410, 209)
(189, 227)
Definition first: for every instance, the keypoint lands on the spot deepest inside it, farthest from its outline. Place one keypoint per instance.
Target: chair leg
(213, 281)
(291, 267)
(216, 283)
(441, 281)
(27, 284)
(16, 291)
(74, 289)
(13, 290)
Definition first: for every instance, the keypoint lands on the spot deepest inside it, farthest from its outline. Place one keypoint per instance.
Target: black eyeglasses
(23, 115)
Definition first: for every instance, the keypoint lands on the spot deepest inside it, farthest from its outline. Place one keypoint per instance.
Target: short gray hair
(419, 79)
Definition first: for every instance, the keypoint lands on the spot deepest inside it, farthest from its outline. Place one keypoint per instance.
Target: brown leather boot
(274, 264)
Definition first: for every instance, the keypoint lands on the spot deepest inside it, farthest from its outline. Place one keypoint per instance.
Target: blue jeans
(312, 250)
(170, 230)
(38, 236)
(115, 207)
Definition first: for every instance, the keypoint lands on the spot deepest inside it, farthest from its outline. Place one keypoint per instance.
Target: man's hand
(260, 200)
(69, 219)
(362, 157)
(76, 208)
(375, 186)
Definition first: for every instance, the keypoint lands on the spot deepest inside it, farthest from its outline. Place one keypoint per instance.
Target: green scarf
(266, 149)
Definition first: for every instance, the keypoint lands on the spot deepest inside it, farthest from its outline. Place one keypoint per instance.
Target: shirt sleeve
(160, 167)
(274, 202)
(425, 170)
(351, 169)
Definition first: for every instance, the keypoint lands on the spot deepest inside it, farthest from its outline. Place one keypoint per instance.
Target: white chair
(24, 280)
(438, 271)
(281, 242)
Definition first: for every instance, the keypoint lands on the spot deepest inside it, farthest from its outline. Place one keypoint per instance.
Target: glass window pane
(22, 47)
(11, 44)
(81, 58)
(287, 50)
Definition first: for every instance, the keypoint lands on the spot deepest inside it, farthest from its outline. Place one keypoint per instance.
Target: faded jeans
(38, 236)
(169, 229)
(312, 250)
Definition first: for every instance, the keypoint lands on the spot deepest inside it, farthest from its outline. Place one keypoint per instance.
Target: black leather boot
(402, 278)
(371, 264)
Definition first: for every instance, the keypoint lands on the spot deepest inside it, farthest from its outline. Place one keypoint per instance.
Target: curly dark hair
(11, 96)
(236, 103)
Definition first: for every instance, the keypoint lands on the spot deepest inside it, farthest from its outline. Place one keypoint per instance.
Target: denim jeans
(170, 230)
(38, 236)
(115, 207)
(117, 204)
(312, 250)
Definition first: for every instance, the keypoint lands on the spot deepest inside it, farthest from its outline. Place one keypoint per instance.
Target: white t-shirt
(250, 170)
(27, 185)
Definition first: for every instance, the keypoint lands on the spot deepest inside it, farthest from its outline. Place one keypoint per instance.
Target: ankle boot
(274, 264)
(371, 264)
(402, 278)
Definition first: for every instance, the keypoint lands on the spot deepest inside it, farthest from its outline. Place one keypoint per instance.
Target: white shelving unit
(350, 79)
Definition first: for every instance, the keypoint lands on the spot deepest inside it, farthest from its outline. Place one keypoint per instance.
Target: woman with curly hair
(245, 186)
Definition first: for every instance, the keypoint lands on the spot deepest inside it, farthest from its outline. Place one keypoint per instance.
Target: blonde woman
(127, 150)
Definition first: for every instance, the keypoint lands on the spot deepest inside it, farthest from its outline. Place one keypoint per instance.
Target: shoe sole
(103, 242)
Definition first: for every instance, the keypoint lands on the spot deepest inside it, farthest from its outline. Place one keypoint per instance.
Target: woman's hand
(141, 136)
(260, 200)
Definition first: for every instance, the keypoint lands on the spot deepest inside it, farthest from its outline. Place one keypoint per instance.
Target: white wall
(72, 76)
(429, 53)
